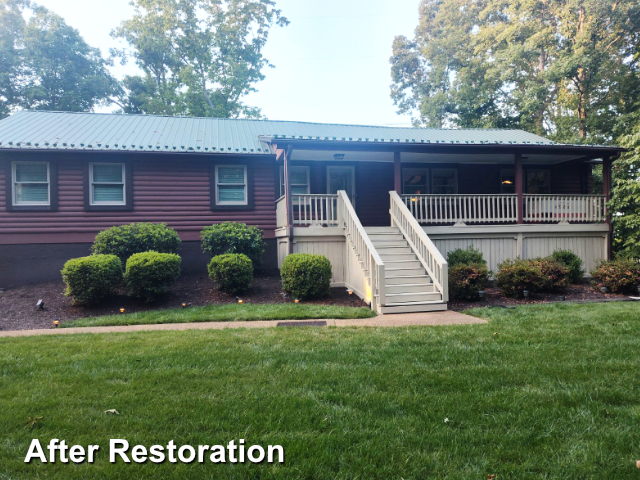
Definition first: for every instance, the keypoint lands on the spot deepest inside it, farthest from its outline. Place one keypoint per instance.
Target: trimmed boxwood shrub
(467, 280)
(305, 275)
(91, 279)
(229, 237)
(232, 271)
(125, 240)
(538, 274)
(150, 274)
(465, 256)
(572, 261)
(619, 276)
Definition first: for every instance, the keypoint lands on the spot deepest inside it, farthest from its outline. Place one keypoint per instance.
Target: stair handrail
(426, 251)
(364, 249)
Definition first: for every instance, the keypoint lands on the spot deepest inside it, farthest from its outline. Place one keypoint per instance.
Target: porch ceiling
(430, 157)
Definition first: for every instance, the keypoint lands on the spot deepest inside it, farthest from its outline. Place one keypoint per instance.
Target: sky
(331, 62)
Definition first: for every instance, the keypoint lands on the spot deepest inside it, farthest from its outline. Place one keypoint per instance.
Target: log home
(385, 205)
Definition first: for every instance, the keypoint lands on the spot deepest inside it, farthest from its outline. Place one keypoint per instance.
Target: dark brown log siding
(174, 190)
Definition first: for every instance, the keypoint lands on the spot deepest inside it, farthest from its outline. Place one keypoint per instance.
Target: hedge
(126, 240)
(232, 271)
(150, 274)
(305, 275)
(91, 279)
(229, 237)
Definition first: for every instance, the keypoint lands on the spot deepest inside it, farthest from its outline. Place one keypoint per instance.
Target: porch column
(287, 196)
(606, 191)
(397, 173)
(519, 187)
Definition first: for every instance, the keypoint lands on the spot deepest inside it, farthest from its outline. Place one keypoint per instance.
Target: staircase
(408, 287)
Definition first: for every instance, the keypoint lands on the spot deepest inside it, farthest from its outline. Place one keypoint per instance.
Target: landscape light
(481, 294)
(525, 292)
(297, 301)
(56, 323)
(184, 305)
(122, 310)
(604, 289)
(40, 305)
(350, 292)
(562, 298)
(239, 300)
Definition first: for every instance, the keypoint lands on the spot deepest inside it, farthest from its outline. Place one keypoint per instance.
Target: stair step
(402, 272)
(394, 250)
(397, 257)
(410, 288)
(408, 280)
(370, 230)
(414, 308)
(380, 244)
(376, 237)
(410, 264)
(392, 299)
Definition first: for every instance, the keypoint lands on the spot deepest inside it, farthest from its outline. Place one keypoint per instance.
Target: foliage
(619, 276)
(562, 68)
(91, 279)
(229, 237)
(149, 274)
(198, 57)
(305, 275)
(126, 240)
(465, 256)
(232, 271)
(573, 263)
(46, 65)
(466, 280)
(538, 274)
(626, 196)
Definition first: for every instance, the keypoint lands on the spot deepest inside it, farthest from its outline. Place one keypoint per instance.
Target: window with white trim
(231, 185)
(107, 183)
(31, 183)
(444, 181)
(415, 181)
(299, 177)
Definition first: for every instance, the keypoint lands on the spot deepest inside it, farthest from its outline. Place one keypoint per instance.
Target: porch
(386, 220)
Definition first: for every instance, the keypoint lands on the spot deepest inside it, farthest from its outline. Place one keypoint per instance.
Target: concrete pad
(399, 320)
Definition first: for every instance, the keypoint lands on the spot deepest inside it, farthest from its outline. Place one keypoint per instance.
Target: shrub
(619, 276)
(232, 271)
(150, 274)
(538, 274)
(90, 279)
(125, 240)
(572, 261)
(305, 275)
(465, 256)
(467, 280)
(231, 237)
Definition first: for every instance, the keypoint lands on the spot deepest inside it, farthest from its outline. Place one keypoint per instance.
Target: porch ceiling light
(507, 182)
(338, 156)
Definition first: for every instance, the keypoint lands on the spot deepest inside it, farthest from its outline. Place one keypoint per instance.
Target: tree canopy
(561, 68)
(198, 57)
(46, 65)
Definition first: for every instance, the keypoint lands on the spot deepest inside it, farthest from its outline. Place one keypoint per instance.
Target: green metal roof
(152, 133)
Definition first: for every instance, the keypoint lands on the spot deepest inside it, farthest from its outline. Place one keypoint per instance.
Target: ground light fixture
(40, 304)
(526, 293)
(604, 289)
(239, 300)
(56, 323)
(122, 310)
(481, 294)
(184, 305)
(297, 300)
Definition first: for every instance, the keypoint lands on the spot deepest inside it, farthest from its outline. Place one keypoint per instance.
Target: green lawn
(226, 313)
(550, 391)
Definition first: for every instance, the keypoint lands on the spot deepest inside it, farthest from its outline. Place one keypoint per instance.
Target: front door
(342, 178)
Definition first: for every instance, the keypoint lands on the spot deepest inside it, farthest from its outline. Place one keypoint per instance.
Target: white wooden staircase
(408, 287)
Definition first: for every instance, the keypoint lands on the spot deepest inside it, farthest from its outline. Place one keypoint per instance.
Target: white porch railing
(565, 208)
(463, 208)
(358, 239)
(429, 256)
(315, 210)
(281, 212)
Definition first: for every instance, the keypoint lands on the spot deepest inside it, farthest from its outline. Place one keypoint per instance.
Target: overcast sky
(331, 62)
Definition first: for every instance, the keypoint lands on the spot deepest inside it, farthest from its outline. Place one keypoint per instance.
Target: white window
(107, 181)
(299, 177)
(444, 181)
(231, 185)
(415, 181)
(31, 183)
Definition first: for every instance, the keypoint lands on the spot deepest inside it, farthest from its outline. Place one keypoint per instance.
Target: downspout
(287, 193)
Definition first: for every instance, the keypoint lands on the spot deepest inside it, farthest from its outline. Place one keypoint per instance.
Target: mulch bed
(18, 309)
(583, 292)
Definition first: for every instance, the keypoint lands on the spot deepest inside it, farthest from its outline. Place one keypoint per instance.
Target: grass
(549, 391)
(225, 313)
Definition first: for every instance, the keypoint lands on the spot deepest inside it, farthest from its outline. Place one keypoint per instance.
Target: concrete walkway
(400, 320)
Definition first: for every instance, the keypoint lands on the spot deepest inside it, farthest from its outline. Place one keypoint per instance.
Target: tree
(46, 65)
(561, 68)
(198, 57)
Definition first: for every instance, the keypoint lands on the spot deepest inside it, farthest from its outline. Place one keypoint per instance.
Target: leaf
(113, 411)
